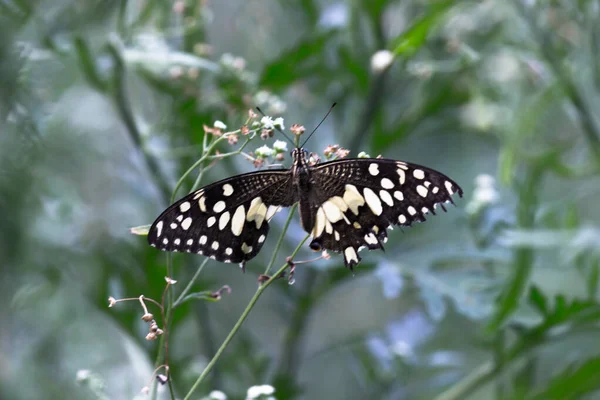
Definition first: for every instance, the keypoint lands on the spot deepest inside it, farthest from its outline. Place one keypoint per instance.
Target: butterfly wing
(360, 198)
(227, 220)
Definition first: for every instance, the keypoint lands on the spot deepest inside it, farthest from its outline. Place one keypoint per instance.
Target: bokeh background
(102, 109)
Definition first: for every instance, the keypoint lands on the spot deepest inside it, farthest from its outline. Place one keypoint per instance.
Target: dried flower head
(111, 301)
(212, 131)
(265, 134)
(258, 162)
(151, 336)
(252, 114)
(330, 150)
(313, 159)
(325, 255)
(170, 281)
(280, 157)
(297, 129)
(145, 390)
(147, 317)
(232, 139)
(342, 153)
(244, 130)
(162, 378)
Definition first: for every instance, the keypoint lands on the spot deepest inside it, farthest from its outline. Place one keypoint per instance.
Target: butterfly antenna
(314, 130)
(277, 128)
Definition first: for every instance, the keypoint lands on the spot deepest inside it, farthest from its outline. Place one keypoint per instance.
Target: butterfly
(346, 205)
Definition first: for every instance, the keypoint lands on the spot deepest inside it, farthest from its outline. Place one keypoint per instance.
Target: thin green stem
(281, 238)
(240, 321)
(190, 283)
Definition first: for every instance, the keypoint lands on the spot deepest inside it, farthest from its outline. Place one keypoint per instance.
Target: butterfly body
(345, 205)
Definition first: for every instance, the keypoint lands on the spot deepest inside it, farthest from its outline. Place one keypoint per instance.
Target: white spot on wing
(211, 221)
(402, 175)
(261, 238)
(374, 169)
(179, 218)
(371, 239)
(223, 220)
(237, 222)
(183, 207)
(419, 173)
(173, 225)
(332, 211)
(177, 241)
(190, 242)
(228, 251)
(159, 227)
(386, 197)
(402, 219)
(386, 183)
(435, 190)
(422, 190)
(227, 190)
(246, 249)
(202, 204)
(398, 194)
(373, 201)
(219, 206)
(353, 198)
(165, 241)
(319, 223)
(411, 210)
(336, 235)
(448, 185)
(350, 254)
(186, 223)
(215, 245)
(203, 239)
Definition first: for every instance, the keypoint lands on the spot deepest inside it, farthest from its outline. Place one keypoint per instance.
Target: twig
(240, 321)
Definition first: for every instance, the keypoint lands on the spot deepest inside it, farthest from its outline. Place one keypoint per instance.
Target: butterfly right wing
(227, 220)
(361, 198)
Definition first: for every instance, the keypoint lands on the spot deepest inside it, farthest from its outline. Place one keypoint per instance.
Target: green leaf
(301, 60)
(538, 300)
(141, 230)
(592, 281)
(410, 41)
(574, 382)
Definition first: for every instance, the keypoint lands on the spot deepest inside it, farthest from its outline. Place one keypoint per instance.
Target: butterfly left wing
(358, 199)
(227, 220)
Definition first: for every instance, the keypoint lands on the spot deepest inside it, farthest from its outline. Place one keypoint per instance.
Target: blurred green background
(102, 109)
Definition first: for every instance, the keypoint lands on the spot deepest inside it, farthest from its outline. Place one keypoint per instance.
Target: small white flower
(381, 60)
(362, 154)
(279, 123)
(220, 125)
(280, 146)
(263, 152)
(267, 122)
(484, 194)
(217, 395)
(255, 392)
(83, 374)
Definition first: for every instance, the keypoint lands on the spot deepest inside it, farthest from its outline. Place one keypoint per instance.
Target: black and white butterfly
(345, 205)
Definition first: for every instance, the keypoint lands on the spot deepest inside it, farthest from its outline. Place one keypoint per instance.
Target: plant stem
(280, 241)
(190, 283)
(240, 321)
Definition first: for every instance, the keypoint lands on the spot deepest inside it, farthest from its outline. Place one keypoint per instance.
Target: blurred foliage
(105, 105)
